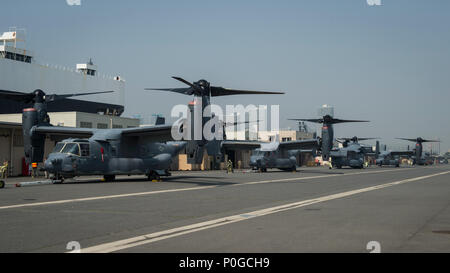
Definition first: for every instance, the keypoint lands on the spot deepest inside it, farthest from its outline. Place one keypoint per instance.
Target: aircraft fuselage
(78, 157)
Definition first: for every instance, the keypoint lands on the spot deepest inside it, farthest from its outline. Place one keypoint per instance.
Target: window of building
(85, 124)
(115, 126)
(285, 139)
(17, 57)
(102, 126)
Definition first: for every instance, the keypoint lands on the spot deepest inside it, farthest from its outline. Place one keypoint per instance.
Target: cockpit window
(71, 148)
(58, 147)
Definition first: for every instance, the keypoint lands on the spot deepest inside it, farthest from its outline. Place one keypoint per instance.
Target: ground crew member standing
(229, 166)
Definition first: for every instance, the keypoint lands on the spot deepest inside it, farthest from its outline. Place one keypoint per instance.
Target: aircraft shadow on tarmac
(300, 171)
(174, 179)
(320, 172)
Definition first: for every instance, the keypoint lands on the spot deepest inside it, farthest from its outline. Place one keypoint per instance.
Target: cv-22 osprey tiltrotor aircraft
(418, 157)
(351, 154)
(106, 152)
(202, 91)
(390, 158)
(109, 152)
(327, 138)
(275, 154)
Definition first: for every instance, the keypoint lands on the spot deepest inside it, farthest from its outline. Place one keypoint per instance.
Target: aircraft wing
(240, 145)
(300, 144)
(158, 133)
(367, 150)
(64, 131)
(402, 153)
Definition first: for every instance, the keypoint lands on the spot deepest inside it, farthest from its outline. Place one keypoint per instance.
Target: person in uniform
(229, 166)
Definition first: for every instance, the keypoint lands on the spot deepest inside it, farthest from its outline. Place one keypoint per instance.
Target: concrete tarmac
(313, 210)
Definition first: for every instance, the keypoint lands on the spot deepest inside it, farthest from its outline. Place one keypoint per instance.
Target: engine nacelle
(214, 149)
(194, 152)
(34, 144)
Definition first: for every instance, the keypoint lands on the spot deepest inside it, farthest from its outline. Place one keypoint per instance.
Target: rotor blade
(15, 96)
(359, 138)
(409, 139)
(184, 81)
(54, 97)
(220, 91)
(184, 91)
(344, 138)
(335, 121)
(427, 140)
(318, 120)
(228, 124)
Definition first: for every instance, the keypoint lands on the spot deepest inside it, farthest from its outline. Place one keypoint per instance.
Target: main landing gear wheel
(109, 178)
(154, 177)
(2, 184)
(58, 179)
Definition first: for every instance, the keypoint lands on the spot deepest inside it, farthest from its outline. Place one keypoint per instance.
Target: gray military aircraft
(107, 152)
(351, 154)
(418, 157)
(202, 91)
(327, 138)
(276, 154)
(390, 158)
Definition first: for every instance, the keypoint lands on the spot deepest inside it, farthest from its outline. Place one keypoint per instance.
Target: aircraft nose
(53, 164)
(253, 161)
(256, 161)
(48, 165)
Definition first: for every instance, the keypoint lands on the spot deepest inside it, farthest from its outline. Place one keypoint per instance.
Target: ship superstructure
(20, 72)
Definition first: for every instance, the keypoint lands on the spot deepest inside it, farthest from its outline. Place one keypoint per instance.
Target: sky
(389, 64)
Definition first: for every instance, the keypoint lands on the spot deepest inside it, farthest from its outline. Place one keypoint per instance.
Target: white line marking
(175, 232)
(183, 189)
(103, 197)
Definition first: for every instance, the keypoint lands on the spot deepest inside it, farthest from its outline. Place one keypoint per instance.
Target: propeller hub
(203, 83)
(39, 96)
